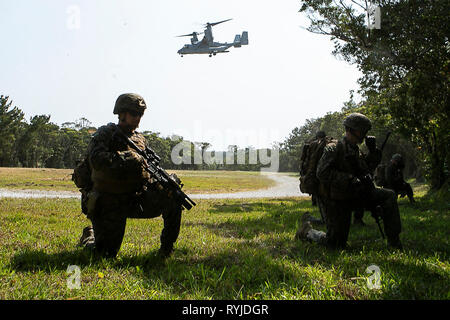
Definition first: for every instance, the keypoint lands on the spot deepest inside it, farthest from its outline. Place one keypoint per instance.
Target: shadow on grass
(277, 215)
(425, 237)
(236, 272)
(33, 260)
(424, 224)
(411, 281)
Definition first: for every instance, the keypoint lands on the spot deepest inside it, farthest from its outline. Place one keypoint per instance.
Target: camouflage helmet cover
(358, 121)
(398, 159)
(320, 134)
(129, 102)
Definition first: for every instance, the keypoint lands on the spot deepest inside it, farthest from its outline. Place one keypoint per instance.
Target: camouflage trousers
(111, 211)
(338, 215)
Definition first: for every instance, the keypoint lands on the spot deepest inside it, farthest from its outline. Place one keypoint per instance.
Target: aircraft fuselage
(200, 48)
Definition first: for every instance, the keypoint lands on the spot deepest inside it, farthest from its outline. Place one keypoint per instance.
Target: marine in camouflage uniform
(121, 188)
(341, 191)
(394, 178)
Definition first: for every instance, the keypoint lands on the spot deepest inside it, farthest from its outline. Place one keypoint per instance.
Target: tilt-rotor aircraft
(207, 44)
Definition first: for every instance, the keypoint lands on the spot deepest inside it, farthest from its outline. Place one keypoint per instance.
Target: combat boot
(302, 232)
(306, 232)
(87, 238)
(165, 250)
(395, 244)
(305, 217)
(308, 217)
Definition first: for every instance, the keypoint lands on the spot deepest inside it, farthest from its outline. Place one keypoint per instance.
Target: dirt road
(286, 186)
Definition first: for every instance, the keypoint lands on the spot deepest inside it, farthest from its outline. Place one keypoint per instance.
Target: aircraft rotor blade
(214, 23)
(186, 35)
(190, 34)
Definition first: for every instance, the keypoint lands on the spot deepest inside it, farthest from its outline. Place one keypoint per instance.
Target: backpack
(311, 154)
(81, 175)
(380, 175)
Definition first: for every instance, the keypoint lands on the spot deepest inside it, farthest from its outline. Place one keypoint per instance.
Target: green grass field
(194, 181)
(227, 249)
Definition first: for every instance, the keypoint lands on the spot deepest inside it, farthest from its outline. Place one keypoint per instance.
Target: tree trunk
(437, 166)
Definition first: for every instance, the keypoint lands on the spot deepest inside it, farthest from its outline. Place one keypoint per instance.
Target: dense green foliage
(404, 65)
(39, 142)
(10, 126)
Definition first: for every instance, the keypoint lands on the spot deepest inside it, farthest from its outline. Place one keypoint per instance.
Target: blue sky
(253, 95)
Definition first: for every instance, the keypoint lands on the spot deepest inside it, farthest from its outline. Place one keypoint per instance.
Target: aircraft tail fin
(244, 38)
(237, 41)
(241, 40)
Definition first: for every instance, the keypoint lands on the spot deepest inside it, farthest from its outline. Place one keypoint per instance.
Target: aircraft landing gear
(210, 55)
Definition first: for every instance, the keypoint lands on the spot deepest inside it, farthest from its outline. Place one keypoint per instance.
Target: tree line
(41, 143)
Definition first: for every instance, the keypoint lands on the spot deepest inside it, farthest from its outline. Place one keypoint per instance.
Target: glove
(361, 188)
(131, 160)
(129, 155)
(356, 185)
(371, 143)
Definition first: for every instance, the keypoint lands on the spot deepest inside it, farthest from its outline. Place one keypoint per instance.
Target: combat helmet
(320, 134)
(130, 102)
(399, 159)
(358, 121)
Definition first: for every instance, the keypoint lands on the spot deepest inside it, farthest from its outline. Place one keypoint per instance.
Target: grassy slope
(227, 249)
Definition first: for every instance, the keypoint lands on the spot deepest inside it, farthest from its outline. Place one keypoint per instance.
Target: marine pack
(311, 154)
(81, 175)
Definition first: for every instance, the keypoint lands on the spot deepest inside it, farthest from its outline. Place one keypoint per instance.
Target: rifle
(385, 140)
(159, 173)
(376, 211)
(367, 185)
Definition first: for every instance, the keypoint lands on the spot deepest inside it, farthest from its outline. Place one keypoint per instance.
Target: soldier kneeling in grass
(345, 184)
(117, 186)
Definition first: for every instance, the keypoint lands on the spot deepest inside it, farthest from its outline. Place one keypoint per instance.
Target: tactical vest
(118, 181)
(342, 164)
